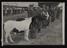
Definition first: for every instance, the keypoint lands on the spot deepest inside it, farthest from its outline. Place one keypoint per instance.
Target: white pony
(20, 25)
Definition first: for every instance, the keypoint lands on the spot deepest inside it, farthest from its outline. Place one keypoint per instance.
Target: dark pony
(37, 23)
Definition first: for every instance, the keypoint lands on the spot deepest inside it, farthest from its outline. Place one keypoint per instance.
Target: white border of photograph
(63, 23)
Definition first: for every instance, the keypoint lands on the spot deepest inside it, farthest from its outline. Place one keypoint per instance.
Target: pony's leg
(36, 32)
(26, 35)
(50, 20)
(14, 33)
(39, 30)
(10, 38)
(6, 37)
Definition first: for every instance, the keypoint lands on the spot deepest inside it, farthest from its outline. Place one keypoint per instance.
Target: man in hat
(30, 10)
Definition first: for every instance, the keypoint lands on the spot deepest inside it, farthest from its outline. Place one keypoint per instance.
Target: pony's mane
(36, 20)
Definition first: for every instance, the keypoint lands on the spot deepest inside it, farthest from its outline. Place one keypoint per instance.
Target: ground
(52, 35)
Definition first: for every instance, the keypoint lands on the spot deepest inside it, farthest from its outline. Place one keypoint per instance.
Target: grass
(50, 36)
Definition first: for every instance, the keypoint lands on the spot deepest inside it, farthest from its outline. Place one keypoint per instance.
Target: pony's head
(45, 14)
(45, 18)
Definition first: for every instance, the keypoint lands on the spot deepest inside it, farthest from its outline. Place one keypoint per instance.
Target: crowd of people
(33, 11)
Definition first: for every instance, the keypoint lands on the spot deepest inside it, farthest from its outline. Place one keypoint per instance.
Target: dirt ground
(52, 35)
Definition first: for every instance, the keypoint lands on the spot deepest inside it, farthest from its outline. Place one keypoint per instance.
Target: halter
(46, 14)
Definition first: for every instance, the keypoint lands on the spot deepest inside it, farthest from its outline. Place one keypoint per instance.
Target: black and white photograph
(33, 23)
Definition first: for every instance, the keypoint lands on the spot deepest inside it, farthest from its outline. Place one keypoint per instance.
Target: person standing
(31, 10)
(24, 13)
